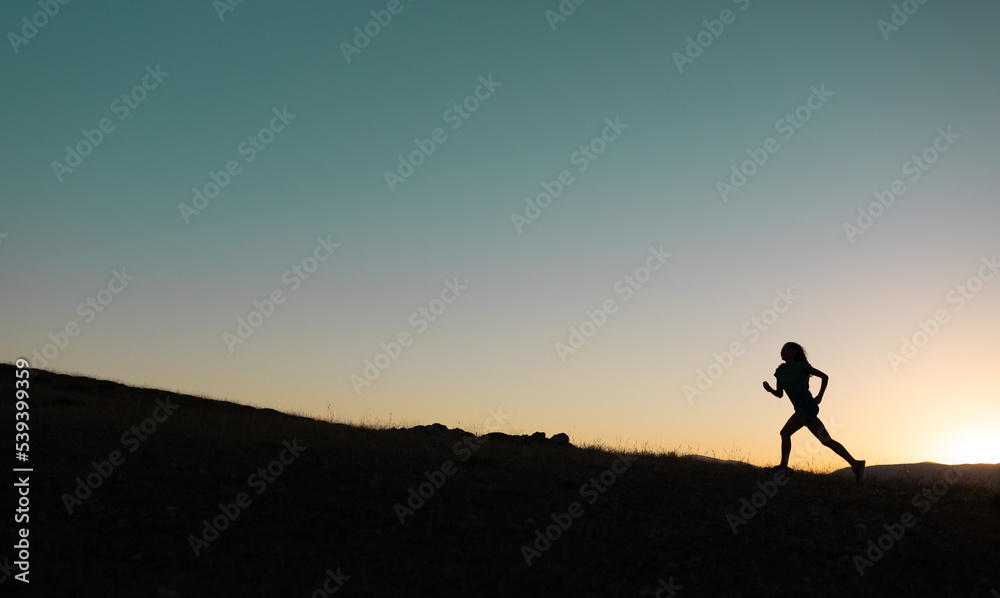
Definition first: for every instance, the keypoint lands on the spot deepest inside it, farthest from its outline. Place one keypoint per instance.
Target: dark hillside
(302, 502)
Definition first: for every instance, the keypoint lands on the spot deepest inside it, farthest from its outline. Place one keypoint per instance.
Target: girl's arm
(822, 387)
(775, 391)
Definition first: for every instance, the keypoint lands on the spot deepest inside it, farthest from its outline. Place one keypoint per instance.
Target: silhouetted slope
(329, 514)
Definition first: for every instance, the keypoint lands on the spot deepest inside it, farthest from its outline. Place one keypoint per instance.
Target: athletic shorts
(808, 412)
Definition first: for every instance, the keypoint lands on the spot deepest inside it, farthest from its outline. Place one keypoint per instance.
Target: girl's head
(792, 352)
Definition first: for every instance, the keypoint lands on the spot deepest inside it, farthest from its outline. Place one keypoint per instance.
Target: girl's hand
(819, 399)
(768, 388)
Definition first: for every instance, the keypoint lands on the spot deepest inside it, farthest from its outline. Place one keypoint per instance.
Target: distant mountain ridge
(929, 472)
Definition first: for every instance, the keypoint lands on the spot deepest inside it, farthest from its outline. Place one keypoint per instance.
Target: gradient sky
(495, 346)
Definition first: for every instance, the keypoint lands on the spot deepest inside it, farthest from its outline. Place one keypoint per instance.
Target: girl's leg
(819, 431)
(793, 424)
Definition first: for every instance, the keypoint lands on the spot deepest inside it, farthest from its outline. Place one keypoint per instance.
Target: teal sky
(655, 185)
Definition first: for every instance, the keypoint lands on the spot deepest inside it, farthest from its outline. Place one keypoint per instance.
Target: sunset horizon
(605, 220)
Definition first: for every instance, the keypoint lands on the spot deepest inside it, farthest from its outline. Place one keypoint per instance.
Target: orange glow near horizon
(737, 420)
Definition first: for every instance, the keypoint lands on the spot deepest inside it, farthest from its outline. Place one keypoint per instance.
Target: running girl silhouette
(793, 378)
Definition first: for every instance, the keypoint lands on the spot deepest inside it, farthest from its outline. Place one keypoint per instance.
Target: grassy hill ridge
(209, 498)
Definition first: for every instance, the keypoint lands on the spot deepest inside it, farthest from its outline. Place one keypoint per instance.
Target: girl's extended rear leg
(819, 431)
